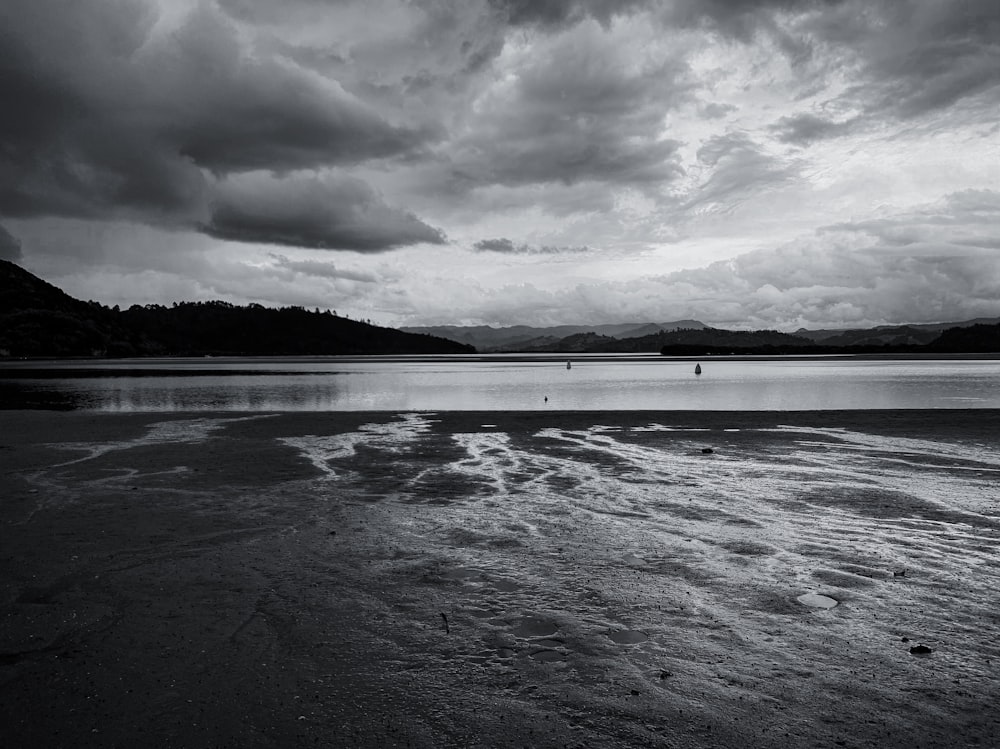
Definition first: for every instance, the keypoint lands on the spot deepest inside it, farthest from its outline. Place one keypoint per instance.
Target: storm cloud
(306, 211)
(152, 118)
(763, 161)
(577, 109)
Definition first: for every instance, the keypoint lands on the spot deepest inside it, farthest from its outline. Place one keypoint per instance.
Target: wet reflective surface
(493, 579)
(601, 383)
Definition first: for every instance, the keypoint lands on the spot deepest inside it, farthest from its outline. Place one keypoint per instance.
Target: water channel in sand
(500, 383)
(501, 579)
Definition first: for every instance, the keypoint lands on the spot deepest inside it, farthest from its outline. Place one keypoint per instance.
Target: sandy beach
(820, 579)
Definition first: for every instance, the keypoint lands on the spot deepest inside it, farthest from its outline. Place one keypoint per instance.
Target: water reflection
(461, 384)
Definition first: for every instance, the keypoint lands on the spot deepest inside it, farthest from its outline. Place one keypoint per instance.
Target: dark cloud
(307, 211)
(741, 19)
(715, 110)
(321, 269)
(904, 58)
(738, 168)
(569, 158)
(496, 245)
(734, 16)
(10, 247)
(243, 112)
(542, 12)
(554, 13)
(67, 145)
(507, 247)
(919, 56)
(578, 110)
(108, 115)
(803, 129)
(417, 65)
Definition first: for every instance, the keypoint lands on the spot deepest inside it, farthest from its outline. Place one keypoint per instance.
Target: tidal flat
(500, 579)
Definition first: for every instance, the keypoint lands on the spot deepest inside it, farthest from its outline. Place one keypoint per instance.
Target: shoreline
(31, 423)
(13, 366)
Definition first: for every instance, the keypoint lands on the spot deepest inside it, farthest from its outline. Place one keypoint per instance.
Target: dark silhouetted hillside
(976, 339)
(220, 328)
(882, 341)
(692, 338)
(38, 319)
(920, 332)
(701, 339)
(894, 335)
(523, 338)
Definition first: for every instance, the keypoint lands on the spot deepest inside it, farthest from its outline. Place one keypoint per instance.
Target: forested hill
(974, 339)
(38, 319)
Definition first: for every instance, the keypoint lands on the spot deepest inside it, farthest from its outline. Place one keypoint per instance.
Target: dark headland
(40, 320)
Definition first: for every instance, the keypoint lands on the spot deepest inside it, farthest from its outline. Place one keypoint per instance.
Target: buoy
(697, 369)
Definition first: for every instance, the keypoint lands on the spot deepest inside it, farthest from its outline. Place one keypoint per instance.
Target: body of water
(484, 383)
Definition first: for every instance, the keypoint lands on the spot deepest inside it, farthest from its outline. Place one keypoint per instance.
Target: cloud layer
(333, 213)
(749, 162)
(122, 111)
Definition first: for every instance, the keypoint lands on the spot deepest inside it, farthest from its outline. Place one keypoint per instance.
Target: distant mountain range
(921, 333)
(40, 320)
(691, 337)
(522, 338)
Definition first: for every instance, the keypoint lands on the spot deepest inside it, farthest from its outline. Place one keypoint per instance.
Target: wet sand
(543, 579)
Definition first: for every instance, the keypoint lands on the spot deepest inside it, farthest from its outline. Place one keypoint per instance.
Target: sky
(747, 163)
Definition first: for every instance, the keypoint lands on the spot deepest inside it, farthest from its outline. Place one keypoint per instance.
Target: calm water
(600, 383)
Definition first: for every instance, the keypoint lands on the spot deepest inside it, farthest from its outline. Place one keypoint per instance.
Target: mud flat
(822, 579)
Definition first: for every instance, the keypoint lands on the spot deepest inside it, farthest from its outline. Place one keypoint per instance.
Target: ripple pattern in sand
(639, 556)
